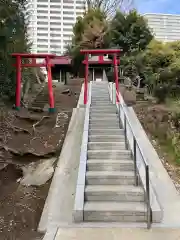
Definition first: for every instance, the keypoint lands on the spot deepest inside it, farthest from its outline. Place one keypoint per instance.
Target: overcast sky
(158, 6)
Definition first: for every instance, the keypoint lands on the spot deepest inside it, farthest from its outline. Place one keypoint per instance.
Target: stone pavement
(116, 234)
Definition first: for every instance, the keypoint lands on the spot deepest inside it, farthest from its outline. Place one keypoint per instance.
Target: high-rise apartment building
(51, 23)
(166, 27)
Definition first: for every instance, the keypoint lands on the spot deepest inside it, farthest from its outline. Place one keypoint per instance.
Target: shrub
(161, 93)
(176, 120)
(110, 76)
(174, 91)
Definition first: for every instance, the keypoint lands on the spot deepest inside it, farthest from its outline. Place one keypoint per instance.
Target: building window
(42, 23)
(67, 24)
(79, 13)
(55, 12)
(54, 46)
(42, 51)
(42, 1)
(67, 29)
(55, 17)
(79, 7)
(55, 23)
(68, 12)
(42, 11)
(68, 18)
(42, 17)
(80, 2)
(68, 1)
(55, 35)
(42, 29)
(56, 42)
(55, 29)
(42, 46)
(42, 6)
(67, 35)
(41, 41)
(42, 34)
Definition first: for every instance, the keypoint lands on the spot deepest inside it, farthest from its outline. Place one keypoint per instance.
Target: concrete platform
(116, 234)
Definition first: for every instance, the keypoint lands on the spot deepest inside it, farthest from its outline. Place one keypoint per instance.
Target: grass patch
(170, 149)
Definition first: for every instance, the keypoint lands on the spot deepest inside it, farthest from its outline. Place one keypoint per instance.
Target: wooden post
(86, 80)
(116, 78)
(18, 82)
(60, 76)
(51, 96)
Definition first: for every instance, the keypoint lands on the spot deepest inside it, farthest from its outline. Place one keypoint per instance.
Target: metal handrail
(135, 146)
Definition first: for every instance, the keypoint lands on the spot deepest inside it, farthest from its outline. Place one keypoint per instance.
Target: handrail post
(149, 217)
(119, 115)
(135, 161)
(125, 131)
(112, 92)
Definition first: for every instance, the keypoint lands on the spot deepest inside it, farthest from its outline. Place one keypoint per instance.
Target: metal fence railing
(131, 141)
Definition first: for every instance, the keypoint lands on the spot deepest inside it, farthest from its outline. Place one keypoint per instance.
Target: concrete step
(106, 145)
(101, 118)
(103, 115)
(106, 131)
(94, 104)
(113, 193)
(110, 125)
(94, 110)
(110, 165)
(102, 99)
(104, 102)
(107, 101)
(103, 107)
(106, 138)
(106, 123)
(109, 177)
(115, 212)
(99, 94)
(109, 154)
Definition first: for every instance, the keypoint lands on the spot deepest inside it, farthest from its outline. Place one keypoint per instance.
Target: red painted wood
(86, 81)
(116, 78)
(51, 96)
(100, 51)
(18, 82)
(33, 55)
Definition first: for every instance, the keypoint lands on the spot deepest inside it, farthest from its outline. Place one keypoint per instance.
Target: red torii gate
(19, 65)
(100, 52)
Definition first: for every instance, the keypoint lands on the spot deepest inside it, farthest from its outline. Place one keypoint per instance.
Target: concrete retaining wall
(60, 199)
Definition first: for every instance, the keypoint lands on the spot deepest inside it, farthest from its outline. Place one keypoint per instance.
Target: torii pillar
(100, 52)
(19, 66)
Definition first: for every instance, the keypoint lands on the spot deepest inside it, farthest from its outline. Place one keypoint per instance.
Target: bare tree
(111, 6)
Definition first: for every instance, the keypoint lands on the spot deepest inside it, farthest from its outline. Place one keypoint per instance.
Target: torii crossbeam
(19, 65)
(100, 52)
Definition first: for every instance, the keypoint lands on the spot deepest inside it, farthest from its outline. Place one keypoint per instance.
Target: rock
(67, 91)
(46, 108)
(38, 173)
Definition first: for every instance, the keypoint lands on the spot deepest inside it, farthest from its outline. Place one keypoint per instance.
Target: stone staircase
(110, 194)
